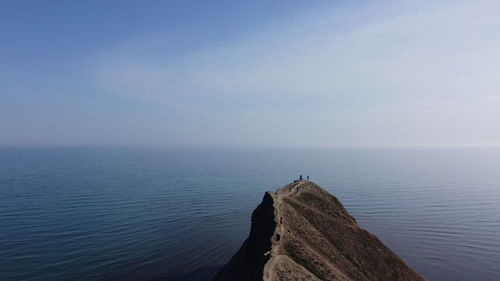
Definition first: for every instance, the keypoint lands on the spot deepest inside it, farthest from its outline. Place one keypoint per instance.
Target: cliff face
(302, 232)
(248, 263)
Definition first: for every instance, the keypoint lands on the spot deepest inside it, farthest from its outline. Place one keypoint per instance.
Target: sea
(102, 213)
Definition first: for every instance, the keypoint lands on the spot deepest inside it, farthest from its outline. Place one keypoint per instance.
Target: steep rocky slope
(302, 232)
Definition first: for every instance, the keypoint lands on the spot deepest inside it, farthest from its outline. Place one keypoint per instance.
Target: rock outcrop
(302, 232)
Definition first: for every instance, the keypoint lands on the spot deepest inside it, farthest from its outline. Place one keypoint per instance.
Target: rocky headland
(302, 232)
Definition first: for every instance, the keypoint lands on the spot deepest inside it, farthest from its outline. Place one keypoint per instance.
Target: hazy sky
(257, 73)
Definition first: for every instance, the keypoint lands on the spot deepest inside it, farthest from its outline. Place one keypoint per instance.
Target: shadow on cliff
(248, 263)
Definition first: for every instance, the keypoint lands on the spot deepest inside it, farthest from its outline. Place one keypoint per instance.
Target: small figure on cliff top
(307, 177)
(300, 178)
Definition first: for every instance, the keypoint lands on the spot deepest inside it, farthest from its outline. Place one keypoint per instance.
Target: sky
(250, 73)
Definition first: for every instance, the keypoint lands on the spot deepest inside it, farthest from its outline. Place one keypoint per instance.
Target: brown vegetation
(316, 240)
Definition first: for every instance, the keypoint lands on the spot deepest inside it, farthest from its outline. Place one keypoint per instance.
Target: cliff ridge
(302, 232)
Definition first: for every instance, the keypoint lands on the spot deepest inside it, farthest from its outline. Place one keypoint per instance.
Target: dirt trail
(316, 240)
(275, 250)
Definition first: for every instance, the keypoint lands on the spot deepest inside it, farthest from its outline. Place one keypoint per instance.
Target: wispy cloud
(343, 66)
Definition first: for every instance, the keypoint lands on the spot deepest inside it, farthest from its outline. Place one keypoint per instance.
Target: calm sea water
(178, 214)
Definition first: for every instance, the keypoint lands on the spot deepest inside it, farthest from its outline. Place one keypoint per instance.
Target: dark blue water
(178, 214)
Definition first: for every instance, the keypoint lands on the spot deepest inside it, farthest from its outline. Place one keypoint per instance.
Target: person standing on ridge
(307, 177)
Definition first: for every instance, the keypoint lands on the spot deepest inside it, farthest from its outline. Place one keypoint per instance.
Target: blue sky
(256, 73)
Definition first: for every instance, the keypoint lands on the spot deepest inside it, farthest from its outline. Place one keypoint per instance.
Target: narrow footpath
(280, 221)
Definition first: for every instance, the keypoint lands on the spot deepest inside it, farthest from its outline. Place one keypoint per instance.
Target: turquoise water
(178, 214)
